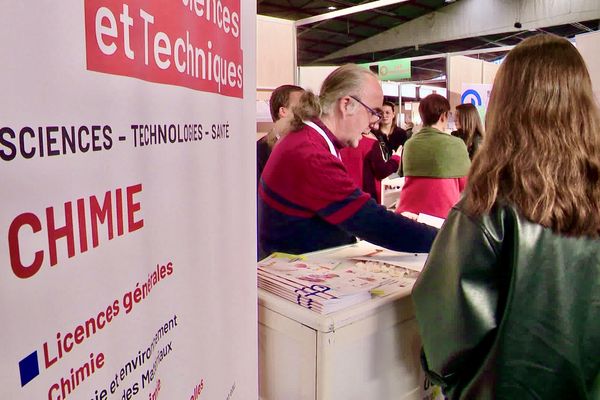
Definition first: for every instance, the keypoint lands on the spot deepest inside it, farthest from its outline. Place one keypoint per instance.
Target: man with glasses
(307, 199)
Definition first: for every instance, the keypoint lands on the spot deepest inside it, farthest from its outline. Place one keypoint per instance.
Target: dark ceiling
(325, 37)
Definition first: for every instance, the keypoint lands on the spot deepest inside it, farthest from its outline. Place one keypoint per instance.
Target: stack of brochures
(332, 284)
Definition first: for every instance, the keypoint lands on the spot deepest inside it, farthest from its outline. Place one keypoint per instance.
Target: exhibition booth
(127, 262)
(128, 258)
(369, 350)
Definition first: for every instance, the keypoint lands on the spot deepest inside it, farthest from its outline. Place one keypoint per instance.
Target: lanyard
(322, 133)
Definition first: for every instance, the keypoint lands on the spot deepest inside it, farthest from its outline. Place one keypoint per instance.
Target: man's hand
(398, 152)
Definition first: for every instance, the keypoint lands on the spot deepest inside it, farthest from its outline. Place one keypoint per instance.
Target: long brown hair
(470, 123)
(391, 105)
(542, 147)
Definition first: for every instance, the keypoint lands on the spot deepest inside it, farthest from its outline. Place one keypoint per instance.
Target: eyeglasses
(374, 113)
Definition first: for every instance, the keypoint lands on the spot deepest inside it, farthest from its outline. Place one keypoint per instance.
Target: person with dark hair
(389, 135)
(508, 303)
(468, 127)
(366, 164)
(281, 103)
(307, 201)
(435, 163)
(409, 129)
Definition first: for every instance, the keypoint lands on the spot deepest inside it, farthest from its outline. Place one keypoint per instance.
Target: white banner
(127, 250)
(477, 94)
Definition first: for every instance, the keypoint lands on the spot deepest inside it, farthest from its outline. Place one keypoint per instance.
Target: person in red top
(435, 164)
(307, 200)
(367, 166)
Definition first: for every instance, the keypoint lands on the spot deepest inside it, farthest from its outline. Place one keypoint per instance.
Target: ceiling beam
(353, 35)
(470, 18)
(514, 35)
(389, 14)
(582, 27)
(366, 24)
(350, 4)
(348, 11)
(319, 41)
(415, 3)
(303, 10)
(494, 42)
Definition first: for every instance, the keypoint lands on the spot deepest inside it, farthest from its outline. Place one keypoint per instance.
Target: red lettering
(56, 233)
(109, 314)
(79, 331)
(101, 214)
(20, 270)
(132, 208)
(100, 320)
(65, 387)
(119, 198)
(68, 345)
(47, 361)
(53, 388)
(83, 246)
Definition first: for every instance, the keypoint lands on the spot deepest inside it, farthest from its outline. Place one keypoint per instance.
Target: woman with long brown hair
(389, 135)
(468, 127)
(508, 303)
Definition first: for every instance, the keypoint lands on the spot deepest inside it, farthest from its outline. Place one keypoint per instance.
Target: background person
(389, 135)
(509, 299)
(409, 129)
(281, 102)
(435, 164)
(366, 164)
(307, 200)
(468, 127)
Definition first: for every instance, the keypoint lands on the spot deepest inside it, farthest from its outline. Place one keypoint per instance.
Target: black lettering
(83, 130)
(22, 142)
(51, 140)
(107, 132)
(7, 156)
(41, 140)
(134, 128)
(68, 138)
(96, 137)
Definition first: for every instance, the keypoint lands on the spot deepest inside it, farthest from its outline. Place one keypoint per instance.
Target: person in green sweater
(435, 164)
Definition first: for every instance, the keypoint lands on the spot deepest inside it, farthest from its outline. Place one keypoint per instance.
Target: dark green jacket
(508, 309)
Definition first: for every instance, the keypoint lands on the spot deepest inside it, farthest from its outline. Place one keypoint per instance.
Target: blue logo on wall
(471, 96)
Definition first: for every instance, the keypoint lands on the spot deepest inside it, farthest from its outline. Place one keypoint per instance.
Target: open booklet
(330, 283)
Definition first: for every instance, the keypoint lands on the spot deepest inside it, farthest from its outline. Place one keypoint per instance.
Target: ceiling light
(331, 8)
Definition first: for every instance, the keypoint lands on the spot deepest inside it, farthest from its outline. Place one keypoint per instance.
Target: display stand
(368, 351)
(390, 190)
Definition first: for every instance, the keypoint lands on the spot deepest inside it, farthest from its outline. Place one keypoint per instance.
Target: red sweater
(366, 166)
(307, 202)
(433, 196)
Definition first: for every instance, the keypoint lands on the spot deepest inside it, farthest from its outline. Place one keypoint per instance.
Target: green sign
(392, 70)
